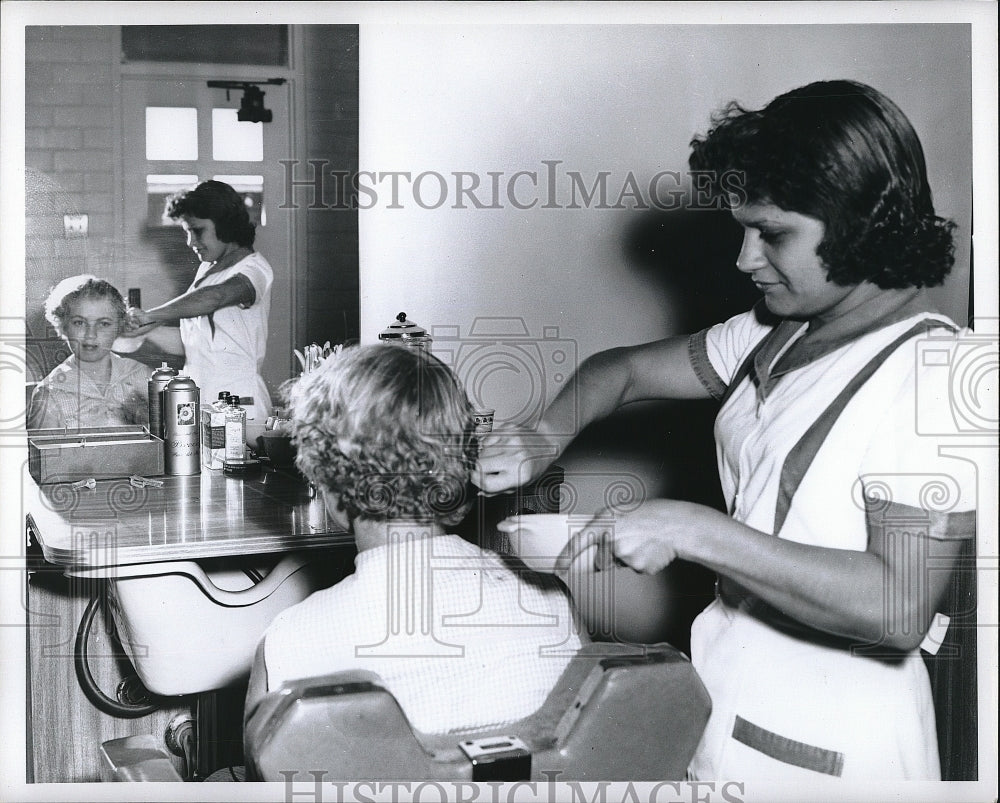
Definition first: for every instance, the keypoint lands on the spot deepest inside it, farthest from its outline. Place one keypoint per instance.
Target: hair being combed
(843, 153)
(390, 431)
(220, 203)
(73, 289)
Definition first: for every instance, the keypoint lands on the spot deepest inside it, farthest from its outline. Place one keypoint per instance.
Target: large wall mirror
(118, 118)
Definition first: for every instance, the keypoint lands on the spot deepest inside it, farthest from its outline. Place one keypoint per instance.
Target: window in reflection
(158, 189)
(199, 44)
(236, 141)
(171, 133)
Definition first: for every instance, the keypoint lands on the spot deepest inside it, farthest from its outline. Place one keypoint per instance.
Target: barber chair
(618, 712)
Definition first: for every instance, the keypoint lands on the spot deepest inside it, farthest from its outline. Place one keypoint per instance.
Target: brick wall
(69, 155)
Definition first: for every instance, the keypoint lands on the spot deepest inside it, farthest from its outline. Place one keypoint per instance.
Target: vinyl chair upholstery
(139, 758)
(618, 712)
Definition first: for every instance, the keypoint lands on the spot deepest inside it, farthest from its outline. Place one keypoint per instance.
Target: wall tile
(54, 137)
(77, 73)
(54, 94)
(82, 160)
(82, 117)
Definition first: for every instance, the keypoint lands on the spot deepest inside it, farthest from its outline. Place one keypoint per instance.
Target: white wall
(599, 98)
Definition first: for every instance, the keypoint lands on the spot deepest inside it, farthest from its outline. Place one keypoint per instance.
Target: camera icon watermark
(14, 368)
(505, 368)
(957, 382)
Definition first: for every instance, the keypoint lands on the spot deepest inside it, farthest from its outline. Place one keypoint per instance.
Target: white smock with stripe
(790, 709)
(225, 350)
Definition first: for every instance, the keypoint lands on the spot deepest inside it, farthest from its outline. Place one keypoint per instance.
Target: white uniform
(225, 350)
(790, 704)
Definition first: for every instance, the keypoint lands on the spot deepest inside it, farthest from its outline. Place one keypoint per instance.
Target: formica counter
(209, 515)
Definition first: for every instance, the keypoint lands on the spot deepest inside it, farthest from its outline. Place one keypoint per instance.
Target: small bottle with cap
(238, 462)
(236, 429)
(213, 434)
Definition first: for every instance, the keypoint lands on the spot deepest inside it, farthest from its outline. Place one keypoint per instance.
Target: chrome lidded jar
(404, 332)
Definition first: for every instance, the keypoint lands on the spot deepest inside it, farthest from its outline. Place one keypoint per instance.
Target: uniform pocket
(789, 751)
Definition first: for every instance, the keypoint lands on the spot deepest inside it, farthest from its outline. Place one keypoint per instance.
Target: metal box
(57, 455)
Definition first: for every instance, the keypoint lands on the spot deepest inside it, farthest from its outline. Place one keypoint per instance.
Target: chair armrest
(139, 758)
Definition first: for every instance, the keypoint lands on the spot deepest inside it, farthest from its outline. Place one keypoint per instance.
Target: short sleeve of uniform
(257, 270)
(717, 352)
(916, 467)
(42, 409)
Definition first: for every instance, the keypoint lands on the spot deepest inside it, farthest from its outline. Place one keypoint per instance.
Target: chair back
(618, 712)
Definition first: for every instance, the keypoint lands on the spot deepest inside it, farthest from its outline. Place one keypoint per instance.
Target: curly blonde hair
(390, 431)
(74, 288)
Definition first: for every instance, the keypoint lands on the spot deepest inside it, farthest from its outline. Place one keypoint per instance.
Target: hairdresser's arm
(881, 594)
(201, 301)
(603, 383)
(166, 339)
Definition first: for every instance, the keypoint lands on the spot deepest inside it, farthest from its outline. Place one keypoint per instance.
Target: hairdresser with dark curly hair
(825, 444)
(223, 316)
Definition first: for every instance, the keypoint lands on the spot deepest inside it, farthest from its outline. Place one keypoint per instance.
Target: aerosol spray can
(181, 417)
(157, 384)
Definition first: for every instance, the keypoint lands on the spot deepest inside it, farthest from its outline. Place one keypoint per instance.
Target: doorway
(178, 131)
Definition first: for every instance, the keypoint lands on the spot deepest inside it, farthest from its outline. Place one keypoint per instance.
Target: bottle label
(235, 437)
(185, 414)
(213, 437)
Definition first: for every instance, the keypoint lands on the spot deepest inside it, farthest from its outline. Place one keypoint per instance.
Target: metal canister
(158, 382)
(405, 332)
(181, 421)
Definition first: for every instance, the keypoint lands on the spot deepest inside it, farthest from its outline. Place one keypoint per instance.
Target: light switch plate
(75, 225)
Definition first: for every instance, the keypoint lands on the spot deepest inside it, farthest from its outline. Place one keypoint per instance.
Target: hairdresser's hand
(137, 323)
(513, 458)
(652, 536)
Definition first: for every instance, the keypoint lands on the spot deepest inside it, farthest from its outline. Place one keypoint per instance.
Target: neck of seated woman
(369, 534)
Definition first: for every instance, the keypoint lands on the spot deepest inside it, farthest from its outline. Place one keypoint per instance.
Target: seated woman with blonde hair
(462, 637)
(93, 387)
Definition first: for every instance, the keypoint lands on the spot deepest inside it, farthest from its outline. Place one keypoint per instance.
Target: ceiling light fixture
(252, 103)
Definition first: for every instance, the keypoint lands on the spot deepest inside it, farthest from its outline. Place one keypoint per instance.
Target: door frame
(282, 365)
